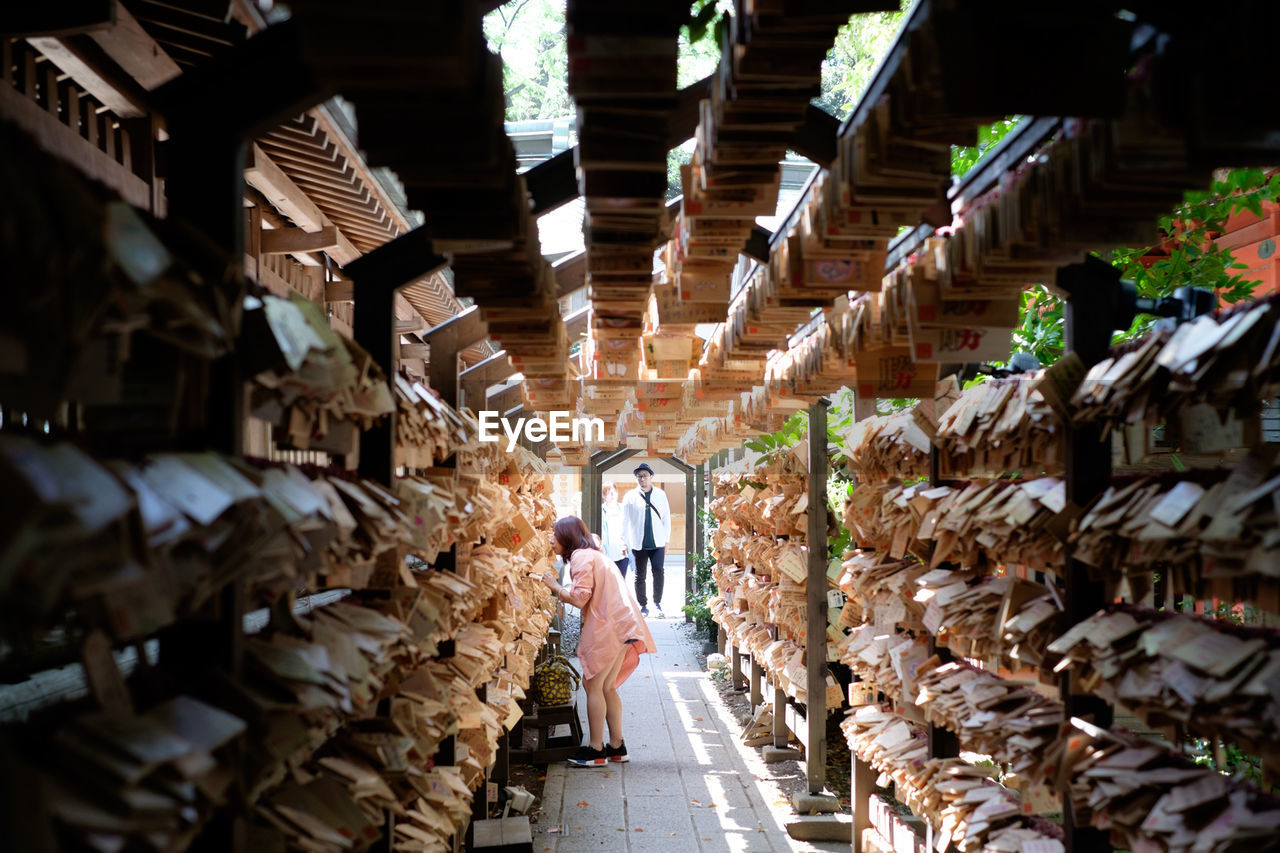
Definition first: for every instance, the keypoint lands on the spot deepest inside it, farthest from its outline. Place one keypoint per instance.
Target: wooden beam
(286, 241)
(327, 123)
(462, 330)
(505, 398)
(227, 93)
(475, 380)
(262, 173)
(758, 244)
(266, 177)
(98, 74)
(405, 311)
(684, 118)
(553, 182)
(415, 351)
(576, 323)
(134, 50)
(571, 273)
(66, 144)
(494, 368)
(402, 261)
(816, 137)
(405, 326)
(65, 17)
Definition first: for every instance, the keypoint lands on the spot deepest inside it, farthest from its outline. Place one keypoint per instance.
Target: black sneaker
(588, 757)
(617, 753)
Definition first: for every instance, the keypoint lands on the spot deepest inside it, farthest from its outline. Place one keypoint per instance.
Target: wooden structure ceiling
(317, 179)
(191, 31)
(322, 161)
(319, 182)
(313, 153)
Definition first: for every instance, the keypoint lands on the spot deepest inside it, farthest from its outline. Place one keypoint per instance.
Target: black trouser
(643, 558)
(622, 565)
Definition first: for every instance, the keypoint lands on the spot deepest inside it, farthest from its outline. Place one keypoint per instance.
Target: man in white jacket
(646, 518)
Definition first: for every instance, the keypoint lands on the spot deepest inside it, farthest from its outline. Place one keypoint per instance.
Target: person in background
(614, 542)
(614, 635)
(647, 527)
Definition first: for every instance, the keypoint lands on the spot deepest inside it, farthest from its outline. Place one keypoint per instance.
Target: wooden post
(373, 328)
(757, 673)
(735, 669)
(862, 786)
(592, 483)
(1091, 314)
(700, 497)
(447, 340)
(781, 736)
(943, 743)
(690, 537)
(377, 276)
(816, 589)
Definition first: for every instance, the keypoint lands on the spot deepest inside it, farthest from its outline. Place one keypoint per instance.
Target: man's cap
(643, 466)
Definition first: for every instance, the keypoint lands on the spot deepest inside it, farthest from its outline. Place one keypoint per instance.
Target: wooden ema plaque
(892, 372)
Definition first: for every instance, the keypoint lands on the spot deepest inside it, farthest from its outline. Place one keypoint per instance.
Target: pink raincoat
(610, 615)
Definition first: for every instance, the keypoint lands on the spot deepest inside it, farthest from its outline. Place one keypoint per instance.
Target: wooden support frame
(815, 736)
(262, 173)
(690, 520)
(287, 241)
(377, 276)
(477, 378)
(571, 273)
(700, 502)
(446, 340)
(575, 324)
(84, 60)
(757, 675)
(1093, 291)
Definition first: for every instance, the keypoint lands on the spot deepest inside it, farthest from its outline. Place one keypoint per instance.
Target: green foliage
(893, 405)
(793, 430)
(1226, 612)
(838, 488)
(1229, 759)
(530, 36)
(1186, 255)
(853, 58)
(963, 158)
(697, 606)
(1041, 328)
(698, 44)
(676, 158)
(839, 419)
(707, 18)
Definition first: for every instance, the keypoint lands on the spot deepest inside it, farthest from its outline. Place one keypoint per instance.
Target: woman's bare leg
(613, 702)
(597, 704)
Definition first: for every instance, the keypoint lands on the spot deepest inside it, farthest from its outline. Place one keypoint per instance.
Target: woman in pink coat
(614, 635)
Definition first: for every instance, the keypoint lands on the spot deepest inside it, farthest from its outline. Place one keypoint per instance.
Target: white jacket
(611, 531)
(633, 511)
